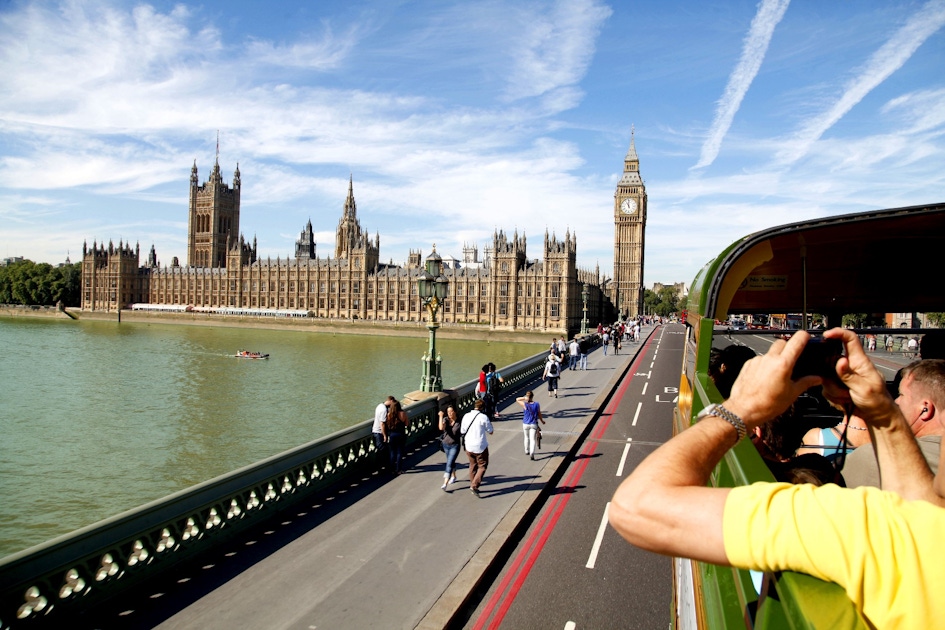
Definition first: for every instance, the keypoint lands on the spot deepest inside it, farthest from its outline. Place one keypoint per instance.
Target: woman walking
(449, 426)
(397, 424)
(531, 416)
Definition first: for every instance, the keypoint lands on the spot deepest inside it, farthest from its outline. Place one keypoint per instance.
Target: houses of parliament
(502, 289)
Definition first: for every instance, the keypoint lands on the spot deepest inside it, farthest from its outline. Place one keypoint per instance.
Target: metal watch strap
(728, 416)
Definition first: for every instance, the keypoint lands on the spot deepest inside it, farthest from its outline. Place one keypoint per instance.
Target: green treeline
(40, 284)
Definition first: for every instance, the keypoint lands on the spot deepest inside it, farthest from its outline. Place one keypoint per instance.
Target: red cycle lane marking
(526, 558)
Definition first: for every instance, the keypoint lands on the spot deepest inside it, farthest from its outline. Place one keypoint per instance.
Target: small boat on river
(247, 354)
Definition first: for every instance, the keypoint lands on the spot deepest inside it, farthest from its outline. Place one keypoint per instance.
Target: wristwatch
(728, 416)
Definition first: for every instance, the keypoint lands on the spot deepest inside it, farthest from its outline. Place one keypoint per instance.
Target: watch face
(629, 206)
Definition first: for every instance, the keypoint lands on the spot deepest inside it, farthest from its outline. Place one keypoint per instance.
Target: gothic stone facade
(505, 291)
(630, 206)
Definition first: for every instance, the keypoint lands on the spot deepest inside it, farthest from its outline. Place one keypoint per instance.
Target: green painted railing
(44, 584)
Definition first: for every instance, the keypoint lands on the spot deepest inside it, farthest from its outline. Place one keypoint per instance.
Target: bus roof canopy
(873, 262)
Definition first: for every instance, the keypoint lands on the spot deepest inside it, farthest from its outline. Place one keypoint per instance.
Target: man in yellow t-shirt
(875, 544)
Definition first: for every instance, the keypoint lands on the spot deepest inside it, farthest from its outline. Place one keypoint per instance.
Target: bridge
(319, 537)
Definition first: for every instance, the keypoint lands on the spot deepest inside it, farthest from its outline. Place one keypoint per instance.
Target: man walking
(474, 427)
(574, 350)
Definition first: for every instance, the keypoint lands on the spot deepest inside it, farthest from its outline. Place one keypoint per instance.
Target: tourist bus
(831, 266)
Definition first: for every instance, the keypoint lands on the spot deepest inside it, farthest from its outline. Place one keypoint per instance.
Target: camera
(819, 358)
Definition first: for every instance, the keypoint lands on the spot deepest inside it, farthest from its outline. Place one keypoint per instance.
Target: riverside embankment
(466, 331)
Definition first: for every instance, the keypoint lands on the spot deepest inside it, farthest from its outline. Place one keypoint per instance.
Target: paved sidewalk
(400, 552)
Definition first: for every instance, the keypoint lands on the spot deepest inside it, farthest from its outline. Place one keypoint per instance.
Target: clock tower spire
(629, 231)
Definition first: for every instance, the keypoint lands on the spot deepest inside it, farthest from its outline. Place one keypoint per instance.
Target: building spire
(218, 147)
(351, 210)
(632, 152)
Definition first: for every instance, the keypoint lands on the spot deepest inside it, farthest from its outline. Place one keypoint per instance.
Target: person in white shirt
(574, 350)
(474, 427)
(379, 428)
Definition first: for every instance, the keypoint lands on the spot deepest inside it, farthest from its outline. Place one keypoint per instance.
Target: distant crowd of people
(470, 432)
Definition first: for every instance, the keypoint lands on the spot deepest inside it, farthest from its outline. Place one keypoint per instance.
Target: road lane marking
(623, 458)
(595, 548)
(643, 393)
(517, 572)
(637, 414)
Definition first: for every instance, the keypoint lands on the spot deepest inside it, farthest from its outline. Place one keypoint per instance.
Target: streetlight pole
(432, 286)
(584, 321)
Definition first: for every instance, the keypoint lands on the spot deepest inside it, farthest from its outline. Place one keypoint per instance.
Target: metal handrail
(75, 571)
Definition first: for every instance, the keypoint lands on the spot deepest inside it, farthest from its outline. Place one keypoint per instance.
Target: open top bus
(886, 261)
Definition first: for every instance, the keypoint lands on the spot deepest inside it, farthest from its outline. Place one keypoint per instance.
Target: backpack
(553, 369)
(492, 383)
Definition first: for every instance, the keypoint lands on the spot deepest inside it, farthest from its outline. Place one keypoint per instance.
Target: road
(571, 569)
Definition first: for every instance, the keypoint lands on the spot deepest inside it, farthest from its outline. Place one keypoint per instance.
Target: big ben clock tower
(629, 231)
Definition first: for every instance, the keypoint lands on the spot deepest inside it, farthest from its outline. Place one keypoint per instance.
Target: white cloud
(881, 65)
(756, 43)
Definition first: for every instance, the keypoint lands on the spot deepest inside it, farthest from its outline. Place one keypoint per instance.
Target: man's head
(479, 404)
(922, 396)
(390, 399)
(725, 364)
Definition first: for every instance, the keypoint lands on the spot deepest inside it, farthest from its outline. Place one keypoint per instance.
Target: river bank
(470, 332)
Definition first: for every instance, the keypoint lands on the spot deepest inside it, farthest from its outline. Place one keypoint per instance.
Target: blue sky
(458, 118)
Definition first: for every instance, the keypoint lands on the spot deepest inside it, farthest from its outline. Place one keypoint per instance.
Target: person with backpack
(552, 373)
(494, 382)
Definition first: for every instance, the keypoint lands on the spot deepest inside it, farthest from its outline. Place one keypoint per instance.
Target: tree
(665, 302)
(938, 319)
(40, 284)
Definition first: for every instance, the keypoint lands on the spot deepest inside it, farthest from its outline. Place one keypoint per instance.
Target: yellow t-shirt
(888, 554)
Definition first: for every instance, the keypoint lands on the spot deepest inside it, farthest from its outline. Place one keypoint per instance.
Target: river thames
(98, 417)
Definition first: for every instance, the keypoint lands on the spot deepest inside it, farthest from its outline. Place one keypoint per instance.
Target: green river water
(100, 417)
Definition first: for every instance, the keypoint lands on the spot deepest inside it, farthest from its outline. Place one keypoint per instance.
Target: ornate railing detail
(77, 570)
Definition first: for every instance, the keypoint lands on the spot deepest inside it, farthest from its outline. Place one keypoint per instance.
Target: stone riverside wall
(321, 325)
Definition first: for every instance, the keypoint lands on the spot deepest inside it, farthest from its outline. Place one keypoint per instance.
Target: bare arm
(665, 506)
(902, 467)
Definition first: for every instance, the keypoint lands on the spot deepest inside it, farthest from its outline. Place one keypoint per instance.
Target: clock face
(629, 206)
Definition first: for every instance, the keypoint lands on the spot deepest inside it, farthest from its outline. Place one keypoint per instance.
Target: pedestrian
(494, 382)
(552, 373)
(481, 387)
(889, 343)
(379, 431)
(617, 344)
(450, 437)
(474, 427)
(605, 340)
(574, 352)
(397, 424)
(583, 350)
(531, 416)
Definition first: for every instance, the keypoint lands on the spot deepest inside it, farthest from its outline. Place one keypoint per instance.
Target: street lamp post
(584, 321)
(432, 286)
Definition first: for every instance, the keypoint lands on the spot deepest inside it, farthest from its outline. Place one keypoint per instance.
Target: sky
(459, 118)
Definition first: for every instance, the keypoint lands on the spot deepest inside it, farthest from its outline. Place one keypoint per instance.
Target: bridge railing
(76, 571)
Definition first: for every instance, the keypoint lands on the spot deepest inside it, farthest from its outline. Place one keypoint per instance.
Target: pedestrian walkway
(389, 552)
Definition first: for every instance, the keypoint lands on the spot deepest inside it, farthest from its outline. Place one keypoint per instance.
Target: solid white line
(637, 414)
(570, 625)
(643, 393)
(623, 458)
(595, 549)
